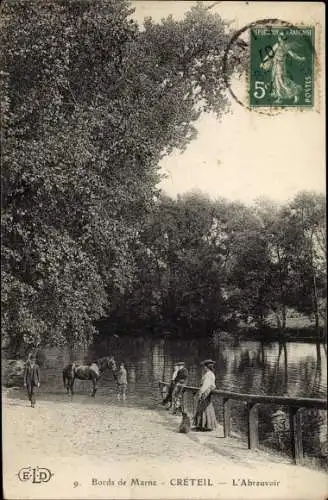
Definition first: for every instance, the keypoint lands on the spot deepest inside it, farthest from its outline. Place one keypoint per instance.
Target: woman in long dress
(204, 419)
(283, 87)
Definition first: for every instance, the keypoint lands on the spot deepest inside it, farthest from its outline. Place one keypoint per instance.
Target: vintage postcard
(163, 250)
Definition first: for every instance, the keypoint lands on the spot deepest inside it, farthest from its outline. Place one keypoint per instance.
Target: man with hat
(31, 378)
(180, 381)
(179, 378)
(205, 419)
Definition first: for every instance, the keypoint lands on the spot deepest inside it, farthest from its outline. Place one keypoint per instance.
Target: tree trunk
(281, 319)
(262, 353)
(318, 371)
(286, 369)
(277, 365)
(316, 307)
(318, 353)
(70, 353)
(278, 321)
(284, 317)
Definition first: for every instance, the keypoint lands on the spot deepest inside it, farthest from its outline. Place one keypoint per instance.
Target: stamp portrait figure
(283, 86)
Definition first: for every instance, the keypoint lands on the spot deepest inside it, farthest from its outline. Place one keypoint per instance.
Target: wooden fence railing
(294, 405)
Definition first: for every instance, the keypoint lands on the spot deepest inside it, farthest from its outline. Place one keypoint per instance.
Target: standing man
(180, 382)
(31, 378)
(168, 397)
(179, 378)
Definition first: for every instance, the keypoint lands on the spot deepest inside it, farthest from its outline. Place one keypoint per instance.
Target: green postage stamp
(282, 62)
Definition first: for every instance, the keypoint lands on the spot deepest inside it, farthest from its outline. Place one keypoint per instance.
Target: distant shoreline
(268, 334)
(290, 334)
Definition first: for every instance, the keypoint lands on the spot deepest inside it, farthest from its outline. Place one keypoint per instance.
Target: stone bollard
(280, 424)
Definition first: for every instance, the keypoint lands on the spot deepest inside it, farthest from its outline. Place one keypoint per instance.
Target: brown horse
(87, 372)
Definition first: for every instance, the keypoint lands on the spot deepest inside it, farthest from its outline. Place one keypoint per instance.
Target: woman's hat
(208, 362)
(180, 363)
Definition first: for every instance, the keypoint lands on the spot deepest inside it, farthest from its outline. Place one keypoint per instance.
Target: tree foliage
(204, 265)
(90, 103)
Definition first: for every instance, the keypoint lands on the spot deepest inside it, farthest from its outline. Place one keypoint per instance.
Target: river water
(292, 369)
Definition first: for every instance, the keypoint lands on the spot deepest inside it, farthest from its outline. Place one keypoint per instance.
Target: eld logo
(36, 475)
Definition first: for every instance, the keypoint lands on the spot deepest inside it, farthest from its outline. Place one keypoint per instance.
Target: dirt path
(92, 442)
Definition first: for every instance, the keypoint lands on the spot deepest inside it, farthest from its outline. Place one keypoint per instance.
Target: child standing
(122, 382)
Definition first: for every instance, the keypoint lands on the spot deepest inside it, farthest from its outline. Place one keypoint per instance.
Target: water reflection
(292, 369)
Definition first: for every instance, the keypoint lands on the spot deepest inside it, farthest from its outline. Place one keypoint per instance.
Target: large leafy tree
(279, 255)
(203, 265)
(90, 103)
(180, 265)
(246, 262)
(305, 239)
(280, 285)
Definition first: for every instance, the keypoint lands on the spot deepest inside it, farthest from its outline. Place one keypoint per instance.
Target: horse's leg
(66, 381)
(72, 386)
(69, 385)
(94, 386)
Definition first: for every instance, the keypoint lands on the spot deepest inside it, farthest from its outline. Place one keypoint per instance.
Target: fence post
(253, 425)
(296, 434)
(226, 416)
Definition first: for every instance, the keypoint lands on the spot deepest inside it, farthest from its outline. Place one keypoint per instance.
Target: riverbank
(83, 441)
(299, 328)
(290, 334)
(301, 332)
